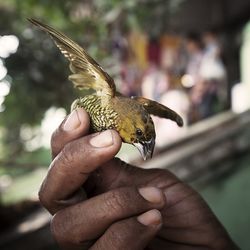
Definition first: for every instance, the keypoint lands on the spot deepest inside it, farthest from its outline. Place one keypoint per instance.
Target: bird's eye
(138, 132)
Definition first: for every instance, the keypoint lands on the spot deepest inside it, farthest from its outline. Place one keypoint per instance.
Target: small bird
(107, 108)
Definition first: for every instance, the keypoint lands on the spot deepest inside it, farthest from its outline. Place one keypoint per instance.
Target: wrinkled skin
(97, 201)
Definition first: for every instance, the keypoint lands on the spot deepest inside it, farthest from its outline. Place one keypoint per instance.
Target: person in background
(208, 76)
(213, 73)
(194, 51)
(155, 80)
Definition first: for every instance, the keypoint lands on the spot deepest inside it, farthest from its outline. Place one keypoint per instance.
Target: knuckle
(128, 231)
(56, 229)
(116, 201)
(64, 232)
(45, 189)
(117, 235)
(66, 156)
(123, 201)
(42, 195)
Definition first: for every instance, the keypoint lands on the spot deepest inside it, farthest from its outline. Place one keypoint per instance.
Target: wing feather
(87, 73)
(158, 109)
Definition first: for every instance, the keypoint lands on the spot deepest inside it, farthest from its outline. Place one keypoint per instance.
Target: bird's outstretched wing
(158, 109)
(87, 73)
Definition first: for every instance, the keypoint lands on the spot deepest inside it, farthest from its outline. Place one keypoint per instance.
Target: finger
(117, 173)
(72, 166)
(88, 220)
(133, 233)
(73, 127)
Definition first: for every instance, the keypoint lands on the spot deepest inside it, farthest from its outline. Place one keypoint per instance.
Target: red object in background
(154, 52)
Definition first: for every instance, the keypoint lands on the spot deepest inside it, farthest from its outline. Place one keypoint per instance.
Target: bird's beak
(146, 148)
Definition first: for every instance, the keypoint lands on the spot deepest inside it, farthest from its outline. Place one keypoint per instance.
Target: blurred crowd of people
(184, 73)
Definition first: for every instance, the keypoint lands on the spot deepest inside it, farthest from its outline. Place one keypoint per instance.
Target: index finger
(71, 168)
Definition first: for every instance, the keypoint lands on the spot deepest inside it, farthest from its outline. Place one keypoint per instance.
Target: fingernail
(150, 218)
(152, 194)
(72, 122)
(104, 139)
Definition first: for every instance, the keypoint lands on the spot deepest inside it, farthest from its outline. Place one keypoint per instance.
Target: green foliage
(38, 72)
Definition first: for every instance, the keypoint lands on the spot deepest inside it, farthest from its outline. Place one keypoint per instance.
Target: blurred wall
(199, 15)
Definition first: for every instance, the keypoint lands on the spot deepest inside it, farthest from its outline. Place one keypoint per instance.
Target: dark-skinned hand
(99, 202)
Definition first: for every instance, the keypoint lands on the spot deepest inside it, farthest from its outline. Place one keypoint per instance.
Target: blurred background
(190, 55)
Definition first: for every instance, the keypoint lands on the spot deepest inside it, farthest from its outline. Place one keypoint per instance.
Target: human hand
(99, 202)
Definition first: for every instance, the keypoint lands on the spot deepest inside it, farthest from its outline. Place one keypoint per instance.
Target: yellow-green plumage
(108, 109)
(101, 117)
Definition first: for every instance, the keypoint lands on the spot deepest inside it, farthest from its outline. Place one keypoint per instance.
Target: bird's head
(137, 128)
(145, 139)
